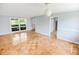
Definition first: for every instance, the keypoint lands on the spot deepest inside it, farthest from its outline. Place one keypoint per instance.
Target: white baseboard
(61, 38)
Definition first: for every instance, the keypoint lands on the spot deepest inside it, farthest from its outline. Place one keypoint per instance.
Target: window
(18, 24)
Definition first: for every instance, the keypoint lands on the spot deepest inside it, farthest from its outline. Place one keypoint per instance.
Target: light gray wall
(42, 25)
(28, 25)
(33, 23)
(5, 24)
(68, 26)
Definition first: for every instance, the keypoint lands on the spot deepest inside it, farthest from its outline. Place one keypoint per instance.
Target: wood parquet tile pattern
(32, 43)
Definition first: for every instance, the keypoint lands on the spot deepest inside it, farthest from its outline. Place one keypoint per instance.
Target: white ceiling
(35, 9)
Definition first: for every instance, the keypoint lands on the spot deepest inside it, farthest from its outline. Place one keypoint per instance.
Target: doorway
(54, 27)
(33, 25)
(55, 24)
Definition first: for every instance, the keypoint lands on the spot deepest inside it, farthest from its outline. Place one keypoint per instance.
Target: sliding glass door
(18, 24)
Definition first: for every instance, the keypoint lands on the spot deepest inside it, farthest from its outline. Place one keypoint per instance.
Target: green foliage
(18, 21)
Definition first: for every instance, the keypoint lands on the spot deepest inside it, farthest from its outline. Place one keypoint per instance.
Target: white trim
(12, 32)
(61, 38)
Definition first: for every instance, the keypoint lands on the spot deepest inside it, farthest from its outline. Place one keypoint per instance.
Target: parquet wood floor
(32, 43)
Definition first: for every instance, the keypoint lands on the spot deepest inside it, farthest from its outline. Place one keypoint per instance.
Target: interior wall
(33, 23)
(68, 26)
(5, 24)
(28, 24)
(42, 25)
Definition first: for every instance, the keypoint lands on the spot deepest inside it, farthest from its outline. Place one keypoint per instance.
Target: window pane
(15, 29)
(14, 22)
(22, 28)
(22, 21)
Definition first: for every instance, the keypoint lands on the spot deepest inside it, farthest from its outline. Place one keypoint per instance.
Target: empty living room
(39, 29)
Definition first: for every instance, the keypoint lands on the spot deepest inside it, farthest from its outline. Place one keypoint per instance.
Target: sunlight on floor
(18, 38)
